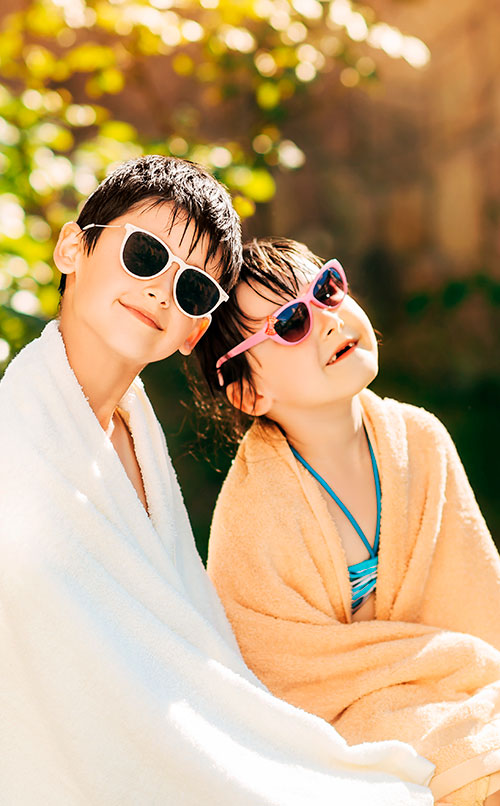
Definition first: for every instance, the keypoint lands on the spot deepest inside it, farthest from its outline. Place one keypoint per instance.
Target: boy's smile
(126, 318)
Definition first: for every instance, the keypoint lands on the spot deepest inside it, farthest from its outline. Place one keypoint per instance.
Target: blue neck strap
(373, 551)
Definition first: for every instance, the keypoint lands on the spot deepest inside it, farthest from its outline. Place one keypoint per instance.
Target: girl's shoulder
(418, 424)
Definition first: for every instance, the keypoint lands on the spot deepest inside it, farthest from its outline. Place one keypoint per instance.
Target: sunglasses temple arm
(261, 335)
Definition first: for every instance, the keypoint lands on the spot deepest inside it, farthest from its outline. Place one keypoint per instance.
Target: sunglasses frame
(173, 258)
(268, 330)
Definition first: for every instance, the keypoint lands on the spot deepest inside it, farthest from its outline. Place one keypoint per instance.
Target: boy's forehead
(173, 225)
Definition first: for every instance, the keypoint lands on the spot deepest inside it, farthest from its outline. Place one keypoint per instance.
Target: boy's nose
(160, 289)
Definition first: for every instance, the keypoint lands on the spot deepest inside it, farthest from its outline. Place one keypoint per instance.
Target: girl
(347, 546)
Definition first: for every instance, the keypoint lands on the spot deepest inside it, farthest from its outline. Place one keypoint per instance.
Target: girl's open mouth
(343, 351)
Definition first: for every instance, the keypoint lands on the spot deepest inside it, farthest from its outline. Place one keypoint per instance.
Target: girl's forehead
(258, 300)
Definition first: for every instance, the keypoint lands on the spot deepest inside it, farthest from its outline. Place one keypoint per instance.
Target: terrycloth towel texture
(121, 683)
(280, 569)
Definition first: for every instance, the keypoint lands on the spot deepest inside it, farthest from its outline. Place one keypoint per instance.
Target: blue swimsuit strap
(373, 551)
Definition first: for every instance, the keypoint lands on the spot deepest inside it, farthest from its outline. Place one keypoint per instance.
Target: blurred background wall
(371, 132)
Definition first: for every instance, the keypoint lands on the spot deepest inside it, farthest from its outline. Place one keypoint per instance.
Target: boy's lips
(143, 316)
(342, 351)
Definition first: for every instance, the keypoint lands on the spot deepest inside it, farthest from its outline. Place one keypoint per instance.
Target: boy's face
(135, 319)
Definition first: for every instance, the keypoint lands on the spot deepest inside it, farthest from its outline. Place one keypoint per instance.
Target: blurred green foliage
(67, 65)
(87, 84)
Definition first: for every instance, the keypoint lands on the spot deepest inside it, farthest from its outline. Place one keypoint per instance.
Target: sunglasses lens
(329, 288)
(196, 292)
(143, 255)
(293, 323)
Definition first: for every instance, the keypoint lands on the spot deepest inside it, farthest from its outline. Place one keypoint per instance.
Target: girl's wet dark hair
(276, 265)
(193, 194)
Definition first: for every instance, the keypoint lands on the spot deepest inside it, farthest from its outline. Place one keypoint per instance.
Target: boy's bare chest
(124, 447)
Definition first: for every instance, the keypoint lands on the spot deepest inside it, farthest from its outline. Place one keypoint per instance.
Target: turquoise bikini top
(363, 575)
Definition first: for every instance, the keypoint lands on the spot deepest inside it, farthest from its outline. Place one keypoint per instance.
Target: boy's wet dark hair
(193, 194)
(275, 264)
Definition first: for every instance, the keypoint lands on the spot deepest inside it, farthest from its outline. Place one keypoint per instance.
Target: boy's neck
(335, 430)
(104, 379)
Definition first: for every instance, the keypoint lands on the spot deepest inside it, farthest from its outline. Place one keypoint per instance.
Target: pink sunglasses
(292, 323)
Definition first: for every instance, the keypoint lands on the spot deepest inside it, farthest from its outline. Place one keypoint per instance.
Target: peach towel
(427, 669)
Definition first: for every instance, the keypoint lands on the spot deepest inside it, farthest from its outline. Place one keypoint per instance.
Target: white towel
(120, 681)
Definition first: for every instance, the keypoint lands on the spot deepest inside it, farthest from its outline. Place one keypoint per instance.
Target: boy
(121, 680)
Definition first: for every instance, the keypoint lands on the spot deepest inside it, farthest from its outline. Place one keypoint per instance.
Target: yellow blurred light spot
(260, 187)
(257, 184)
(171, 35)
(178, 146)
(239, 39)
(308, 8)
(80, 115)
(192, 31)
(290, 155)
(4, 350)
(5, 279)
(84, 181)
(111, 80)
(11, 216)
(209, 3)
(52, 101)
(13, 328)
(415, 52)
(365, 66)
(349, 77)
(356, 27)
(331, 45)
(387, 38)
(25, 302)
(17, 267)
(268, 95)
(39, 61)
(220, 157)
(162, 4)
(244, 207)
(262, 143)
(280, 20)
(39, 229)
(296, 32)
(48, 298)
(119, 131)
(66, 38)
(305, 71)
(57, 137)
(265, 63)
(340, 11)
(28, 284)
(183, 64)
(32, 99)
(42, 272)
(307, 53)
(9, 135)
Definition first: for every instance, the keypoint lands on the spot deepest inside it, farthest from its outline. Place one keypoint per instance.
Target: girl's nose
(330, 321)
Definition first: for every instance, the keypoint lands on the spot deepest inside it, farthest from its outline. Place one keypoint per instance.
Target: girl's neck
(336, 430)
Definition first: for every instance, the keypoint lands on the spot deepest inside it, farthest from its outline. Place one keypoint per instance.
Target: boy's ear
(197, 332)
(68, 248)
(248, 399)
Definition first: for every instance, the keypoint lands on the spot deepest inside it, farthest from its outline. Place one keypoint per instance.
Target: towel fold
(120, 680)
(427, 668)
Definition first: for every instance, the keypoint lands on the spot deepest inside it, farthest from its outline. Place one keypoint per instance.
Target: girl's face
(336, 361)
